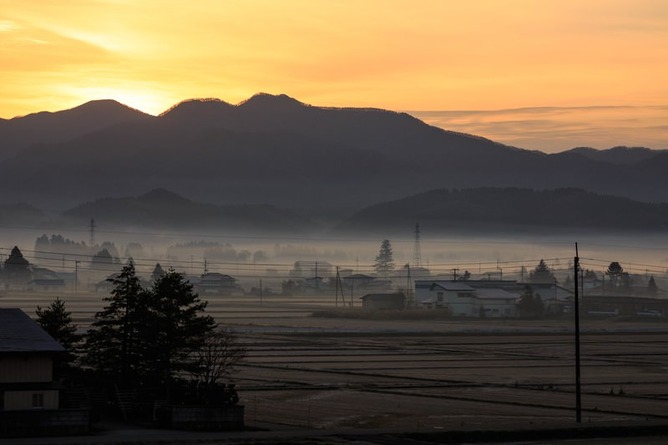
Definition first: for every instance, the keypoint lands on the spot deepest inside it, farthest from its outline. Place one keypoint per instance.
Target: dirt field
(428, 375)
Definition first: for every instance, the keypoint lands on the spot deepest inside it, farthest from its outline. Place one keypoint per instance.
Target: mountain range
(322, 162)
(486, 209)
(438, 211)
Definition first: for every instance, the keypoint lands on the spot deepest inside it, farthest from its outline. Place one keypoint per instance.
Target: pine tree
(384, 264)
(615, 271)
(158, 272)
(176, 326)
(542, 274)
(17, 268)
(116, 342)
(57, 322)
(652, 288)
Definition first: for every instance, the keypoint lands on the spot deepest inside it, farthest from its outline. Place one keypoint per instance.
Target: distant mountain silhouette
(162, 209)
(277, 150)
(618, 155)
(493, 208)
(20, 215)
(46, 127)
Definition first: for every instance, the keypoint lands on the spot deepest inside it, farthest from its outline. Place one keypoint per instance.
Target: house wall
(26, 369)
(423, 292)
(460, 306)
(496, 308)
(24, 400)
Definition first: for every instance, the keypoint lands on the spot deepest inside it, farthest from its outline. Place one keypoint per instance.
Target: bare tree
(216, 359)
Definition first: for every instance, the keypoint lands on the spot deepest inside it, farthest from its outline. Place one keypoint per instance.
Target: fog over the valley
(272, 257)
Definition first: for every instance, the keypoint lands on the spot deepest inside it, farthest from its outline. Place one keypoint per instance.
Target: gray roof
(453, 286)
(19, 333)
(490, 294)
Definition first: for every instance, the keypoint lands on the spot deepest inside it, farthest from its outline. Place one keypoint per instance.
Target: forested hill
(161, 209)
(503, 207)
(277, 150)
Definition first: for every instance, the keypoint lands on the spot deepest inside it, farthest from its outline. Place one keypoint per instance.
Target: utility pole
(454, 274)
(578, 394)
(409, 286)
(76, 276)
(316, 276)
(92, 233)
(339, 287)
(417, 253)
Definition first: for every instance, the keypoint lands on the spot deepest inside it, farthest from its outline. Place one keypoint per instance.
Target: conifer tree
(116, 342)
(384, 264)
(57, 322)
(652, 288)
(176, 327)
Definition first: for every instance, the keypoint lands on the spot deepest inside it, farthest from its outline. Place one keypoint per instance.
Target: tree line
(157, 339)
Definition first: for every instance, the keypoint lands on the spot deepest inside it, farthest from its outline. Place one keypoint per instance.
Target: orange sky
(397, 54)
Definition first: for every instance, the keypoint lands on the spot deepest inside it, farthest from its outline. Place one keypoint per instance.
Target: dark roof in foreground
(19, 333)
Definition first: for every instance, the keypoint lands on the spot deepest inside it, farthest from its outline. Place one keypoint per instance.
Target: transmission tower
(417, 255)
(92, 232)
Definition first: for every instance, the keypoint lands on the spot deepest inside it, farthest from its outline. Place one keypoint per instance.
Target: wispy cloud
(554, 129)
(8, 26)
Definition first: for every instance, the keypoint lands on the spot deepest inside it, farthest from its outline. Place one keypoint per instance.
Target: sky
(536, 74)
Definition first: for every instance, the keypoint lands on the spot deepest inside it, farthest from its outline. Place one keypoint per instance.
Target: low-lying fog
(249, 258)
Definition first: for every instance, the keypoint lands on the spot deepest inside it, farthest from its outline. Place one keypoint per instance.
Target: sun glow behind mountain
(430, 55)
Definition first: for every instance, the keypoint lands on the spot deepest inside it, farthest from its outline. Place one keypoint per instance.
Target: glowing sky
(520, 71)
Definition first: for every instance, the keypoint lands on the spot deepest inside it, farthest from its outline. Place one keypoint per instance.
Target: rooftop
(19, 333)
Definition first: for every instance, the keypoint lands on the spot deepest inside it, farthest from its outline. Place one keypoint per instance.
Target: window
(439, 296)
(38, 400)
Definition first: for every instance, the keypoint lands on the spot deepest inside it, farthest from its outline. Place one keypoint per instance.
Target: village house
(29, 391)
(45, 280)
(216, 283)
(483, 298)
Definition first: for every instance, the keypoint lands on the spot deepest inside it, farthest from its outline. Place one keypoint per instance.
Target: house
(373, 302)
(475, 298)
(29, 393)
(496, 303)
(45, 280)
(216, 283)
(358, 281)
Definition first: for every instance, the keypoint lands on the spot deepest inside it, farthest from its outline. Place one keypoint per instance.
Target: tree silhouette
(16, 269)
(158, 271)
(116, 343)
(652, 288)
(530, 304)
(384, 264)
(216, 359)
(541, 274)
(176, 326)
(615, 271)
(57, 322)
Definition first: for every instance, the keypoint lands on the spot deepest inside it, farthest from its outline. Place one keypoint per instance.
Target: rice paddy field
(426, 374)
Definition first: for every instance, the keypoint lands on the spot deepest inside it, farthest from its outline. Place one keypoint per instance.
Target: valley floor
(342, 375)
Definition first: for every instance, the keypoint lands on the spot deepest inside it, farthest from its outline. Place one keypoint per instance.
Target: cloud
(554, 129)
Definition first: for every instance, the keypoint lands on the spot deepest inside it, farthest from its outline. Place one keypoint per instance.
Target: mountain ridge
(276, 149)
(487, 208)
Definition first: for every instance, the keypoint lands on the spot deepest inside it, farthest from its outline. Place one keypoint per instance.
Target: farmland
(326, 373)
